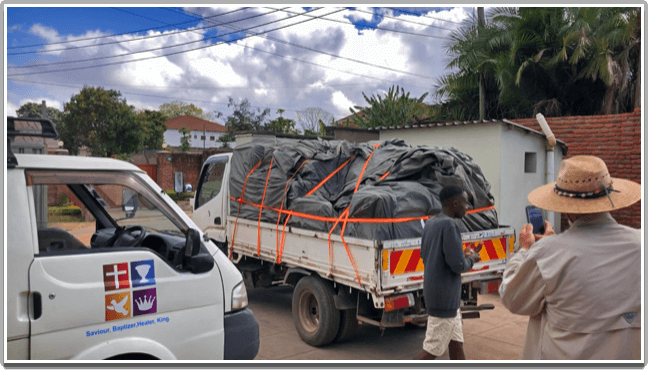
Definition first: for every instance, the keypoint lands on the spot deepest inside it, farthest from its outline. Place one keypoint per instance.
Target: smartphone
(535, 218)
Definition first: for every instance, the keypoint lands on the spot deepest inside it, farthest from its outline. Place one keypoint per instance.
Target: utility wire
(402, 20)
(161, 48)
(423, 15)
(113, 35)
(131, 40)
(149, 50)
(375, 27)
(196, 15)
(331, 54)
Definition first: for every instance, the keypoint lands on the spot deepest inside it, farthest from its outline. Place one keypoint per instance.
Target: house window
(211, 138)
(202, 137)
(195, 136)
(530, 162)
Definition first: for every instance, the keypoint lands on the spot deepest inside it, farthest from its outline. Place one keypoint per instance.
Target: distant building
(203, 133)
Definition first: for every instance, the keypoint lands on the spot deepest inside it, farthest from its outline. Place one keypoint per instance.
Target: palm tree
(558, 61)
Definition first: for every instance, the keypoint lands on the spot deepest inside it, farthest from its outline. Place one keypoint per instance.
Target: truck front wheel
(314, 313)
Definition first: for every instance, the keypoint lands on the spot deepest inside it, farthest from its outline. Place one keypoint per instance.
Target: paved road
(498, 335)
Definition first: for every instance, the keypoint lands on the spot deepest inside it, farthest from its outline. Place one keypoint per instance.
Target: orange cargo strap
(346, 220)
(283, 232)
(282, 203)
(241, 201)
(265, 188)
(352, 219)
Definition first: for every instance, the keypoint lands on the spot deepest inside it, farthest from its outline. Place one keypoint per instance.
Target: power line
(375, 27)
(143, 51)
(423, 15)
(161, 48)
(125, 41)
(113, 35)
(331, 54)
(402, 20)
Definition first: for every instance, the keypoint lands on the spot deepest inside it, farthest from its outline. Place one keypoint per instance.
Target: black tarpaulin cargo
(398, 181)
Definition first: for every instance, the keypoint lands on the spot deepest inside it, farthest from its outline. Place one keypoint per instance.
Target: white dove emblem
(118, 307)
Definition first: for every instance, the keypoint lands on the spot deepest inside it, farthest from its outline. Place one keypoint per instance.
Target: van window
(79, 211)
(211, 181)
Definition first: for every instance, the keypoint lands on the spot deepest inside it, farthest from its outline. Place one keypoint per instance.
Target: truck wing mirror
(129, 202)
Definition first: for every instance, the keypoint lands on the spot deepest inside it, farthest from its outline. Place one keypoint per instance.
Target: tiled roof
(194, 123)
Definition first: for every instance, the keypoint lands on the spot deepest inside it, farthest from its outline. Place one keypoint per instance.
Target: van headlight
(239, 297)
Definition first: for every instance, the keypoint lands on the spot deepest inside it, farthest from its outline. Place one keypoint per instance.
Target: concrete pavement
(497, 335)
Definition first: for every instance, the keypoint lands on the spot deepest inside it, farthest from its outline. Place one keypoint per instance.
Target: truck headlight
(239, 297)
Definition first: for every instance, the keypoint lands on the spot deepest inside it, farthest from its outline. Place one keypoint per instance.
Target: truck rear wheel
(316, 319)
(348, 325)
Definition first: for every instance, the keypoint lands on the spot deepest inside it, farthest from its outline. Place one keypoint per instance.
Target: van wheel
(348, 325)
(316, 319)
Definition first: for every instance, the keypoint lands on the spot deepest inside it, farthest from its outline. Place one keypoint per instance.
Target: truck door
(211, 201)
(95, 300)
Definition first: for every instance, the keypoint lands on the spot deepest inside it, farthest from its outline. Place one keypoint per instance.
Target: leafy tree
(185, 140)
(310, 118)
(396, 108)
(282, 124)
(225, 139)
(243, 117)
(178, 108)
(33, 110)
(153, 125)
(558, 61)
(321, 129)
(100, 120)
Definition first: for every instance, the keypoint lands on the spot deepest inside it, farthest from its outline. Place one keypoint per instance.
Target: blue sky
(326, 58)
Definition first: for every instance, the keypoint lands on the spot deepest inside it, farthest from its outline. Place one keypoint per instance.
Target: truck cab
(121, 273)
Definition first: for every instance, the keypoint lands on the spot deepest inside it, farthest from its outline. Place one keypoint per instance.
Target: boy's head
(454, 201)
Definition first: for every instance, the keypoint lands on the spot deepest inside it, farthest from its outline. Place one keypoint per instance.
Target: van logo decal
(142, 273)
(128, 276)
(118, 306)
(145, 302)
(116, 276)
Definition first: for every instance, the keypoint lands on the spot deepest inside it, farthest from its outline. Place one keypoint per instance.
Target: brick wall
(189, 163)
(614, 138)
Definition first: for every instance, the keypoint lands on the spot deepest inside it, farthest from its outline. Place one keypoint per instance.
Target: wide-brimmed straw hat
(584, 186)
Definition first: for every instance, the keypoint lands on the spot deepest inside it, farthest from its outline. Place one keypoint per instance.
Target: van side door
(98, 300)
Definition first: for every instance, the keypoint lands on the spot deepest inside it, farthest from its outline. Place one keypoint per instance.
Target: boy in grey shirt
(444, 260)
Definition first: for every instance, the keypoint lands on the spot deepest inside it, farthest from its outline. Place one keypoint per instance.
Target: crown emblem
(143, 304)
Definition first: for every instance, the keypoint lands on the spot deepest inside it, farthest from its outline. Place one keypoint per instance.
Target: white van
(122, 274)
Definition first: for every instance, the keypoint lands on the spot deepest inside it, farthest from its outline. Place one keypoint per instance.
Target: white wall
(172, 138)
(499, 150)
(518, 183)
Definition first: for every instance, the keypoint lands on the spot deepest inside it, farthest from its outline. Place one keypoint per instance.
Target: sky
(278, 57)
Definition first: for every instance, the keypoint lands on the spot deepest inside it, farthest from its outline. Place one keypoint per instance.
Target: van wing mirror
(192, 245)
(194, 260)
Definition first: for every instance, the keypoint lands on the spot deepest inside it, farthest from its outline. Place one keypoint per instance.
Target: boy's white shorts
(440, 331)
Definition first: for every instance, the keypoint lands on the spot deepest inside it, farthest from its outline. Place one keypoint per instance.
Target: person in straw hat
(582, 288)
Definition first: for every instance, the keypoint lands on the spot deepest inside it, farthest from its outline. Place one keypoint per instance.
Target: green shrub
(183, 196)
(64, 201)
(70, 213)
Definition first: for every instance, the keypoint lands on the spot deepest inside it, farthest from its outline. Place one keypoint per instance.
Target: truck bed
(381, 268)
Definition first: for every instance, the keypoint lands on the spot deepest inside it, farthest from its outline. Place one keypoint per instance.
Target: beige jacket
(582, 291)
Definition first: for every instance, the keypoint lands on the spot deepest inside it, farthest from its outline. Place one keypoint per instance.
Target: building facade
(203, 134)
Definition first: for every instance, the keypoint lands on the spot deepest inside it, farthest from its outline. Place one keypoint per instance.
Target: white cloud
(11, 109)
(341, 104)
(267, 80)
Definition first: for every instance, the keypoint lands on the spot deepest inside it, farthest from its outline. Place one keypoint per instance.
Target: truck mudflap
(241, 335)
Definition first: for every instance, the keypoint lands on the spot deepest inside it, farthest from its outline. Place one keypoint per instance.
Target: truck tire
(316, 319)
(348, 325)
